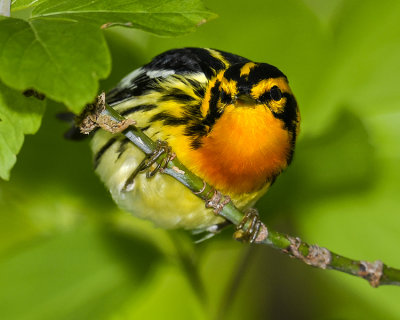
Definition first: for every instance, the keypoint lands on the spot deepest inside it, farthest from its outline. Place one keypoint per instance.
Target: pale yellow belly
(161, 198)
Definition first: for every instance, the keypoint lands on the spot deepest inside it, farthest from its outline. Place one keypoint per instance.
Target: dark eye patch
(276, 93)
(264, 97)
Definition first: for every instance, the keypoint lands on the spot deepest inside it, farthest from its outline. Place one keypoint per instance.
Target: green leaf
(19, 115)
(61, 51)
(60, 58)
(156, 16)
(23, 4)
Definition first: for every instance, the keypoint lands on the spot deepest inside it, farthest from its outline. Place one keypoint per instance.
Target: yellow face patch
(265, 85)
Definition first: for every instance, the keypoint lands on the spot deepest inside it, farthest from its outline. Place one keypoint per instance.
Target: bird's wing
(173, 62)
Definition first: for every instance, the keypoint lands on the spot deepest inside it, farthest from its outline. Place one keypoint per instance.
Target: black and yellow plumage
(231, 121)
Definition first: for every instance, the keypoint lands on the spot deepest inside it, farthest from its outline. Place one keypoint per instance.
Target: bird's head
(253, 122)
(253, 85)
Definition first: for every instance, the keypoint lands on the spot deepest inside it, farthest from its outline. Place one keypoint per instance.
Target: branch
(376, 273)
(5, 6)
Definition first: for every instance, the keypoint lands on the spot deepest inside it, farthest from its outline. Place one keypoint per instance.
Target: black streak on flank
(192, 111)
(169, 119)
(145, 128)
(196, 143)
(197, 87)
(122, 147)
(142, 107)
(196, 131)
(103, 149)
(177, 95)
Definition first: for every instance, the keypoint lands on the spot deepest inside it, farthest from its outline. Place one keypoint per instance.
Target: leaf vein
(54, 62)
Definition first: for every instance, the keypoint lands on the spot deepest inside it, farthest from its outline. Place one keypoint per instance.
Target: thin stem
(376, 273)
(5, 6)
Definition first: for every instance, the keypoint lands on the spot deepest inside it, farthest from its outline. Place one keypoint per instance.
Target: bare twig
(5, 6)
(376, 273)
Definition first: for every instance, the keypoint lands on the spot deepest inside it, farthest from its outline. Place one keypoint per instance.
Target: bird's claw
(250, 233)
(161, 147)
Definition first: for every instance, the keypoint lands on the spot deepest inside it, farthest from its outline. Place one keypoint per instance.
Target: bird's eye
(275, 93)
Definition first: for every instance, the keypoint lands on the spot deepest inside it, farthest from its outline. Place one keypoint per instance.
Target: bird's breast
(246, 148)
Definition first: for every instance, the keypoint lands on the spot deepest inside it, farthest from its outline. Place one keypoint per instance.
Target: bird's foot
(248, 229)
(150, 160)
(161, 148)
(217, 201)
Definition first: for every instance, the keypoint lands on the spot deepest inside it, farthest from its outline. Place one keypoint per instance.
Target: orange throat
(246, 148)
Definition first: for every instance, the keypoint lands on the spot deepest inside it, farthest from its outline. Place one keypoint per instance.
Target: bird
(231, 121)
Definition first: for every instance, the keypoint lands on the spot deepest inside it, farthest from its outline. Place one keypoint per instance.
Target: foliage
(59, 48)
(65, 250)
(18, 116)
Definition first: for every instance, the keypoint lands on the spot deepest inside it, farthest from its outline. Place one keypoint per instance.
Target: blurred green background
(67, 252)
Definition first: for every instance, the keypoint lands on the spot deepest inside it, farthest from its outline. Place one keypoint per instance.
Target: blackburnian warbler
(231, 121)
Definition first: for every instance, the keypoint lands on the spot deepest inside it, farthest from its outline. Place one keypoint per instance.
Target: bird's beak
(245, 100)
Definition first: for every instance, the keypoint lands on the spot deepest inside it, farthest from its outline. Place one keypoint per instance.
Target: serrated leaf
(157, 16)
(61, 58)
(19, 115)
(61, 50)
